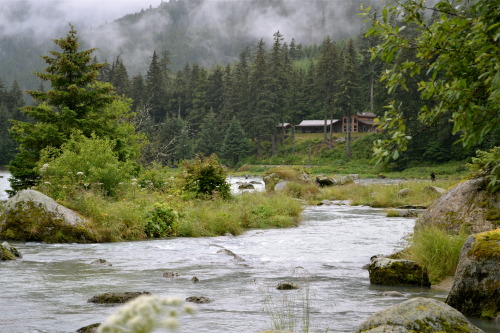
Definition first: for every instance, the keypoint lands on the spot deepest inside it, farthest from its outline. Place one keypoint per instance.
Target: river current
(47, 290)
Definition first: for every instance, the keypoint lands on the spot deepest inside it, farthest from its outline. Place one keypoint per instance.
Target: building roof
(366, 121)
(284, 125)
(316, 123)
(367, 114)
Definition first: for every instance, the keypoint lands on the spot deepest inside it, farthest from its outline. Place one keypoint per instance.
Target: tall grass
(384, 195)
(436, 250)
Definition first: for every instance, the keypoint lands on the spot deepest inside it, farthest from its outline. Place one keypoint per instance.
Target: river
(47, 290)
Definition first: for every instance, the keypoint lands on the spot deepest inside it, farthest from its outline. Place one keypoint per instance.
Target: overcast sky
(19, 15)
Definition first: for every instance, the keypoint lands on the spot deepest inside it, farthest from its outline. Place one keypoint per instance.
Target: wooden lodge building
(361, 122)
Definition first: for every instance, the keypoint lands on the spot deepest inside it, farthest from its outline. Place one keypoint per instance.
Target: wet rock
(408, 212)
(476, 287)
(412, 207)
(246, 186)
(424, 315)
(254, 182)
(392, 293)
(170, 274)
(195, 279)
(467, 205)
(231, 253)
(113, 298)
(199, 300)
(8, 252)
(32, 216)
(89, 329)
(394, 272)
(100, 262)
(287, 286)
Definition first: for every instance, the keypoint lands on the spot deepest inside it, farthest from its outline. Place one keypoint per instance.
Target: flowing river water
(47, 290)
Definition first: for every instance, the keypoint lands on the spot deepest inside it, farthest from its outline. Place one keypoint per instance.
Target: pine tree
(209, 139)
(75, 102)
(235, 145)
(155, 89)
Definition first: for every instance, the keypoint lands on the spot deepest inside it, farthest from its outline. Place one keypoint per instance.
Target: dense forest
(232, 108)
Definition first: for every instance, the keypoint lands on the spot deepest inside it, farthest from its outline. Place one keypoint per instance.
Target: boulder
(8, 252)
(278, 174)
(335, 181)
(394, 272)
(392, 293)
(281, 185)
(113, 298)
(32, 216)
(467, 205)
(404, 192)
(199, 300)
(423, 315)
(170, 274)
(476, 287)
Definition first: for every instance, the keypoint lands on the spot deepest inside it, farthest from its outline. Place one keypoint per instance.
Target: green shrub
(487, 165)
(83, 163)
(436, 250)
(161, 221)
(205, 177)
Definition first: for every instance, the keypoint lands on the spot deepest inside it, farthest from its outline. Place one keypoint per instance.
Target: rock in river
(395, 272)
(476, 289)
(423, 315)
(116, 297)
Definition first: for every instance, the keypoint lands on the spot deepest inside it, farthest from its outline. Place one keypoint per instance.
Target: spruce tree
(235, 144)
(75, 102)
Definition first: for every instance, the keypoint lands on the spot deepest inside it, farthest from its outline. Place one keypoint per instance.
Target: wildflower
(79, 173)
(44, 167)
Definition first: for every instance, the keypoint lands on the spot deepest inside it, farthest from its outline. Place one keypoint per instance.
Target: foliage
(487, 164)
(83, 162)
(436, 250)
(161, 221)
(235, 145)
(205, 177)
(456, 48)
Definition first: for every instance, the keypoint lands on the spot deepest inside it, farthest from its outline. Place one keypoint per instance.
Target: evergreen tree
(209, 139)
(155, 89)
(235, 145)
(75, 102)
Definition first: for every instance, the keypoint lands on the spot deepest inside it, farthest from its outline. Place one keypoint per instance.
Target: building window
(355, 128)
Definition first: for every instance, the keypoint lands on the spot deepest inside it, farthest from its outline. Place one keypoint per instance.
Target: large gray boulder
(423, 315)
(476, 288)
(465, 205)
(8, 252)
(32, 216)
(393, 272)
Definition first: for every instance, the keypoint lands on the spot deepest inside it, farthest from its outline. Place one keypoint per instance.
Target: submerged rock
(8, 252)
(423, 315)
(467, 205)
(246, 186)
(199, 300)
(476, 288)
(100, 262)
(392, 293)
(89, 329)
(32, 216)
(231, 253)
(287, 286)
(395, 272)
(170, 274)
(113, 298)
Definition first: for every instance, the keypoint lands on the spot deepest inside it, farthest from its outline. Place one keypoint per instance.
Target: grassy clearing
(436, 250)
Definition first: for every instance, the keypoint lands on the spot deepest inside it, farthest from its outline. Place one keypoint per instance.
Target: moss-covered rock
(393, 272)
(89, 329)
(275, 175)
(114, 298)
(33, 216)
(8, 252)
(476, 289)
(423, 315)
(466, 206)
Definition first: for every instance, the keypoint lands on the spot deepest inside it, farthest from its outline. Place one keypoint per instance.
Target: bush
(161, 221)
(205, 177)
(487, 165)
(85, 163)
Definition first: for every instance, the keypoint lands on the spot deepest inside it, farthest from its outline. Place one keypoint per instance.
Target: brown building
(361, 122)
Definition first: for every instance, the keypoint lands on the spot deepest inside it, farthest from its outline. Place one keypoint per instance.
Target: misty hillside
(206, 32)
